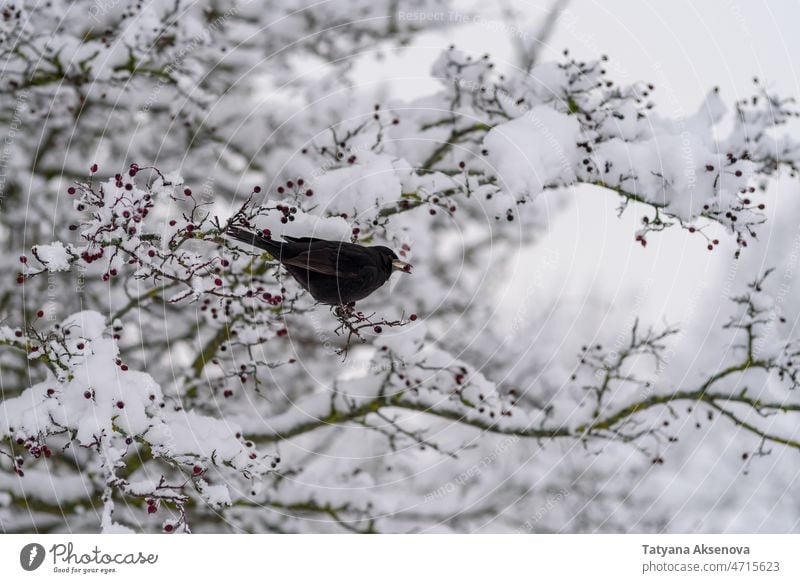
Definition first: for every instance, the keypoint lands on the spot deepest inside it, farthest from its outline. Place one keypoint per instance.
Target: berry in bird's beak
(398, 265)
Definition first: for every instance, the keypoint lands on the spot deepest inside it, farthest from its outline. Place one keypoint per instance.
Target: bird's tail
(253, 238)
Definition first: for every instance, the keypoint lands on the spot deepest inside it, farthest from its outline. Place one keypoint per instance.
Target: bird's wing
(328, 259)
(303, 239)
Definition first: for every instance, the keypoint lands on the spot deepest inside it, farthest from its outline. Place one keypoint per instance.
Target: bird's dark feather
(334, 272)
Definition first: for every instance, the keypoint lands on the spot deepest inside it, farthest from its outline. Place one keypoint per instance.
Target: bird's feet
(354, 323)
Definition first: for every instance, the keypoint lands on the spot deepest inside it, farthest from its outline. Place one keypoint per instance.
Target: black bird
(333, 272)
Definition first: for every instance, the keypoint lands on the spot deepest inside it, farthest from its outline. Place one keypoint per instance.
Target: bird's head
(393, 261)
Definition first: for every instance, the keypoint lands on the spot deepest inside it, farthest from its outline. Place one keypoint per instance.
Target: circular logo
(31, 556)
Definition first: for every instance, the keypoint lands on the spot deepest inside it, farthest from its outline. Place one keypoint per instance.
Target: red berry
(197, 470)
(218, 282)
(23, 259)
(378, 329)
(151, 509)
(412, 317)
(256, 189)
(187, 191)
(168, 528)
(40, 314)
(120, 405)
(87, 395)
(71, 190)
(93, 168)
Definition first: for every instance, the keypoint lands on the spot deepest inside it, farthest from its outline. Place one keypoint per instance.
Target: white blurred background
(603, 279)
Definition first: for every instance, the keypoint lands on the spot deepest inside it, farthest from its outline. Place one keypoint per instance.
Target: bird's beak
(398, 265)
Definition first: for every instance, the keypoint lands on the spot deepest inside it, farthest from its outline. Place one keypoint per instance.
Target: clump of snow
(534, 151)
(216, 496)
(55, 257)
(358, 187)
